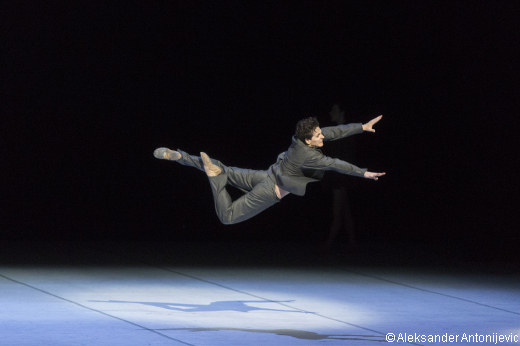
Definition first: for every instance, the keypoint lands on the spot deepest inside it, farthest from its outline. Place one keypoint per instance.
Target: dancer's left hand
(368, 126)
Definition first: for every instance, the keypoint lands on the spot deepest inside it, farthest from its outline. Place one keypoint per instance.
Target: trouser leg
(243, 179)
(196, 161)
(259, 190)
(261, 197)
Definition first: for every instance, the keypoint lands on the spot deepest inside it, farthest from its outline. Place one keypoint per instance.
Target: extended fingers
(375, 120)
(376, 175)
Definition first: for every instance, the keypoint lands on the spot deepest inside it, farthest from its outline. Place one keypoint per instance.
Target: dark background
(91, 89)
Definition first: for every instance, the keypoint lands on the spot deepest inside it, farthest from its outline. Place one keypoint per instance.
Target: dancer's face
(317, 138)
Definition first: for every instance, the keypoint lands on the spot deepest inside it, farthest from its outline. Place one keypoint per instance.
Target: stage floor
(245, 294)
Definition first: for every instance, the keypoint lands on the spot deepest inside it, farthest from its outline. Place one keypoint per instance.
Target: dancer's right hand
(372, 175)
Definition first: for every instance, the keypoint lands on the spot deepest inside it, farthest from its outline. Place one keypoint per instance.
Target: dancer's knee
(224, 218)
(227, 219)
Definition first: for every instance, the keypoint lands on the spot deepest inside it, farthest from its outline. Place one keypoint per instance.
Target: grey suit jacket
(301, 164)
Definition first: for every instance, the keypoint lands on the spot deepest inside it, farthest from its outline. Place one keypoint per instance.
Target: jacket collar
(299, 143)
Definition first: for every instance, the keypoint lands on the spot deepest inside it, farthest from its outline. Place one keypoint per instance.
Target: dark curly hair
(305, 128)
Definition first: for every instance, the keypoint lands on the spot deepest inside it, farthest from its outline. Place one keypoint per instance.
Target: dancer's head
(308, 131)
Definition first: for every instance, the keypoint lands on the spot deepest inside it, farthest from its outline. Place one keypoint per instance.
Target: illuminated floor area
(182, 294)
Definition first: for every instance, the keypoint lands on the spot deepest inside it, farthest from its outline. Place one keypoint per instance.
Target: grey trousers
(258, 187)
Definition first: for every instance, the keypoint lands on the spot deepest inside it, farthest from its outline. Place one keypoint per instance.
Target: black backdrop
(91, 89)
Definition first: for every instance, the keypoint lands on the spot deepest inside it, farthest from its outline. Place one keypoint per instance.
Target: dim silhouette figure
(341, 187)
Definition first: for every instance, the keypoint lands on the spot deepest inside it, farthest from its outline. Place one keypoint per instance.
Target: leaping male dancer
(301, 164)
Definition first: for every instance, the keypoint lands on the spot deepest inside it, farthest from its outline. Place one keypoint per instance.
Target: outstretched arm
(332, 133)
(322, 162)
(318, 161)
(368, 126)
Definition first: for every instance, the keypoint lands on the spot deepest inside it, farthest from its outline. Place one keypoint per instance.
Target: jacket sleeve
(321, 162)
(333, 133)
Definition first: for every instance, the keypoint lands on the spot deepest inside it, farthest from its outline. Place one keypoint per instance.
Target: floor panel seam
(91, 309)
(429, 291)
(246, 293)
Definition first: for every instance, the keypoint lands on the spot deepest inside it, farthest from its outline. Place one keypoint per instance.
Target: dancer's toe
(167, 154)
(211, 169)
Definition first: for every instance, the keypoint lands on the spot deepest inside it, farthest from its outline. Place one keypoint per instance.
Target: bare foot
(211, 169)
(167, 154)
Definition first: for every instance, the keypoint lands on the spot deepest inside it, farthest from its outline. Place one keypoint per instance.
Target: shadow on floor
(231, 305)
(298, 334)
